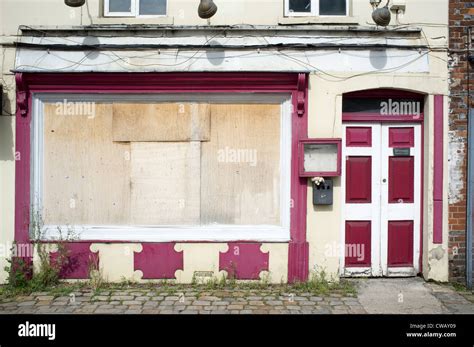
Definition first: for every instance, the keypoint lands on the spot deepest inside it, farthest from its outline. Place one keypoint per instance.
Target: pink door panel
(401, 180)
(358, 179)
(359, 137)
(400, 243)
(401, 137)
(357, 250)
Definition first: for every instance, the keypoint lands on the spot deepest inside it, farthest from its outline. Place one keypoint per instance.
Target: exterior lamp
(206, 9)
(381, 16)
(74, 3)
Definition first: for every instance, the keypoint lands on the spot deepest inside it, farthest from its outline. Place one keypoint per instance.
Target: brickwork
(461, 13)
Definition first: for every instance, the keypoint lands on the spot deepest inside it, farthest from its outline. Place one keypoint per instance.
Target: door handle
(384, 180)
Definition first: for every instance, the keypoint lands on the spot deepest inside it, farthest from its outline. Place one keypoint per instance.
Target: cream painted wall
(7, 189)
(116, 260)
(184, 12)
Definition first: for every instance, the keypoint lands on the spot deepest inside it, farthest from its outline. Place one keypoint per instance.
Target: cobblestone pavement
(136, 301)
(374, 296)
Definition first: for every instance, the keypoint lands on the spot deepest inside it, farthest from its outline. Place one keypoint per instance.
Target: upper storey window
(316, 7)
(135, 8)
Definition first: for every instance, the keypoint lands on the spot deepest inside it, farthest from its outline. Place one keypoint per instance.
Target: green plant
(318, 283)
(96, 274)
(23, 277)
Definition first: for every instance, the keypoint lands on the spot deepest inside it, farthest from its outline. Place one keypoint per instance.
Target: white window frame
(134, 13)
(166, 233)
(314, 10)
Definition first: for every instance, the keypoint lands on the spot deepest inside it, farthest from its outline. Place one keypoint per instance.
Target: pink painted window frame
(295, 84)
(385, 93)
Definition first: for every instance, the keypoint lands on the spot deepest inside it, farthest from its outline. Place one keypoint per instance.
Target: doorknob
(384, 180)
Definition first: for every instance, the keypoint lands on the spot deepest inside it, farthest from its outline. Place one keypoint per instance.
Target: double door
(381, 194)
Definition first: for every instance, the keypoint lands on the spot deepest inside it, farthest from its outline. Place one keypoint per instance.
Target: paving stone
(132, 303)
(150, 304)
(235, 307)
(306, 303)
(101, 298)
(26, 303)
(121, 297)
(44, 297)
(167, 303)
(316, 298)
(201, 303)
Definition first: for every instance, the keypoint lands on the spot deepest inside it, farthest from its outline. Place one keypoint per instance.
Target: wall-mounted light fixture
(381, 16)
(75, 3)
(206, 9)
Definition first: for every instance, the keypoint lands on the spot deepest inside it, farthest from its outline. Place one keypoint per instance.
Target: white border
(164, 233)
(135, 11)
(314, 10)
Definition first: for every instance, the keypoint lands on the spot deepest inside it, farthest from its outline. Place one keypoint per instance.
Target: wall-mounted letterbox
(322, 193)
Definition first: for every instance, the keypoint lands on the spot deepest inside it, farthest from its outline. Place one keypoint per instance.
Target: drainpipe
(470, 168)
(470, 186)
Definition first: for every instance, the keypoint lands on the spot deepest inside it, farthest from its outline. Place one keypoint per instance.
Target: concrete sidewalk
(410, 296)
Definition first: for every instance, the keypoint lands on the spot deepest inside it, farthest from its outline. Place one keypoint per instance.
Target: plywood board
(240, 179)
(86, 175)
(165, 183)
(160, 122)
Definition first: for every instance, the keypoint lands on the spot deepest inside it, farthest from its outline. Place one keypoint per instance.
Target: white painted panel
(168, 60)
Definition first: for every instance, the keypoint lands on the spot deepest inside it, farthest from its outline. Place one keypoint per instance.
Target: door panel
(401, 179)
(357, 250)
(359, 136)
(402, 137)
(358, 179)
(400, 243)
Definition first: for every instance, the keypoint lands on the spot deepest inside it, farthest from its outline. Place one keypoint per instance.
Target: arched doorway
(382, 155)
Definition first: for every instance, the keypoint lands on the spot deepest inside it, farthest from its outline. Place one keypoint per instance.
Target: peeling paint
(437, 253)
(456, 152)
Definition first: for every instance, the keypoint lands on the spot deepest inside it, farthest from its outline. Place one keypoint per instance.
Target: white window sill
(160, 20)
(345, 20)
(215, 233)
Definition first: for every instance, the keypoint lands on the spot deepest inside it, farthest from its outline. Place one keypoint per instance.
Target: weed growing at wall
(37, 272)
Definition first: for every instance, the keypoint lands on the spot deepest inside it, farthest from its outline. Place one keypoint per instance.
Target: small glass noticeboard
(320, 157)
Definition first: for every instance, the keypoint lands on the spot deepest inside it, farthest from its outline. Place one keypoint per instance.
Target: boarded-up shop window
(162, 164)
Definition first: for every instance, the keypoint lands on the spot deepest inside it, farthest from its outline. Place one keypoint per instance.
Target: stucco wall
(184, 12)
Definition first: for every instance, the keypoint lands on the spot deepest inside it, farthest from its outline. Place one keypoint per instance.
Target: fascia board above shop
(146, 48)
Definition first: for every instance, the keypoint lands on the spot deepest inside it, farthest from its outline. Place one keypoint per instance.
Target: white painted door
(381, 181)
